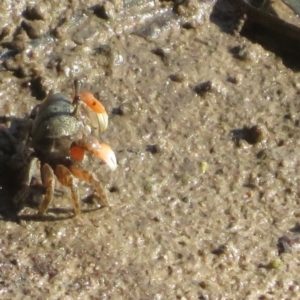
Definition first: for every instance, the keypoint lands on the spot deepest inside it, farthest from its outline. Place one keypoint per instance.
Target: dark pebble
(252, 135)
(165, 57)
(203, 88)
(177, 77)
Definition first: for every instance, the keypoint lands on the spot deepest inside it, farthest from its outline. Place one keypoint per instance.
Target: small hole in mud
(220, 250)
(37, 88)
(118, 111)
(100, 11)
(152, 149)
(187, 26)
(114, 189)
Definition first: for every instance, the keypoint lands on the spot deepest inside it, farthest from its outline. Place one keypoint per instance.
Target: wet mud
(204, 122)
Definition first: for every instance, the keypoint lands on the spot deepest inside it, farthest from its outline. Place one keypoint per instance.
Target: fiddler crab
(62, 129)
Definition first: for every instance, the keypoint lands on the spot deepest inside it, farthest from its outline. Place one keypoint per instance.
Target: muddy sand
(204, 122)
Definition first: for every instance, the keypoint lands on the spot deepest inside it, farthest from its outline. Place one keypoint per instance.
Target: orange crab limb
(88, 177)
(66, 178)
(103, 151)
(76, 152)
(49, 182)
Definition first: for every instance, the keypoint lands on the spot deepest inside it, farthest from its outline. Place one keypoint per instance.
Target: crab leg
(88, 177)
(25, 192)
(48, 180)
(66, 178)
(91, 144)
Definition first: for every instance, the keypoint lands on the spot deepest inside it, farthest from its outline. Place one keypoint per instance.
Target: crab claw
(108, 156)
(97, 107)
(91, 144)
(102, 121)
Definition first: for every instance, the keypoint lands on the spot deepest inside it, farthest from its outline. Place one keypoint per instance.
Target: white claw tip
(109, 157)
(103, 121)
(112, 161)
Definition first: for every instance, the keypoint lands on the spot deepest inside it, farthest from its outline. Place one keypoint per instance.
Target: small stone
(275, 263)
(177, 77)
(203, 166)
(163, 54)
(253, 135)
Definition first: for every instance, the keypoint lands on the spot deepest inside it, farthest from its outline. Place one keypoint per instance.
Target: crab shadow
(13, 162)
(9, 211)
(54, 214)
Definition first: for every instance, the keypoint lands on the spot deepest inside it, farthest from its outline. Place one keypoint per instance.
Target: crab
(62, 129)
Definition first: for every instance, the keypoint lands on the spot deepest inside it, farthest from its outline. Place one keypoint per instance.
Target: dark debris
(252, 135)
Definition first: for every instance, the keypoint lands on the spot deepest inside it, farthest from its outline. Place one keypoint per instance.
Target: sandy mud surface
(205, 125)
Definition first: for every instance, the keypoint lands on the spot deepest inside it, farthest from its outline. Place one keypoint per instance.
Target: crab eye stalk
(76, 87)
(76, 98)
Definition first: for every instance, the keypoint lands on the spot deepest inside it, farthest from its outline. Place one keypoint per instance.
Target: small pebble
(177, 77)
(203, 88)
(163, 54)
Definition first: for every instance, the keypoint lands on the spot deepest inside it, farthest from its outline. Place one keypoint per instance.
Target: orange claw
(92, 102)
(96, 106)
(91, 144)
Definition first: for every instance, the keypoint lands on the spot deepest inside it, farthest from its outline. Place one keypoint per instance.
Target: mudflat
(204, 123)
